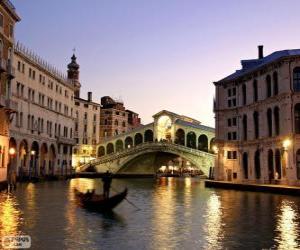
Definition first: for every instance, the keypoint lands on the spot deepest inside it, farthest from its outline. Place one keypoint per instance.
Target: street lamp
(12, 152)
(286, 143)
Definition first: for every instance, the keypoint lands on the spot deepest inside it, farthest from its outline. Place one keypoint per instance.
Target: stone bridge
(118, 162)
(170, 138)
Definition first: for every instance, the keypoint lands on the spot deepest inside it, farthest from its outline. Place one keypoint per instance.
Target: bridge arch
(198, 162)
(148, 135)
(110, 148)
(191, 139)
(180, 137)
(128, 142)
(203, 143)
(138, 139)
(119, 145)
(101, 151)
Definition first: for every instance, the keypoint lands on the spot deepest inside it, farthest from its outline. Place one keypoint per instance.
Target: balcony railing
(65, 140)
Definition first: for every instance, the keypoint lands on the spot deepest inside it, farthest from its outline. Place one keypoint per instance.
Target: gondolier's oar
(131, 203)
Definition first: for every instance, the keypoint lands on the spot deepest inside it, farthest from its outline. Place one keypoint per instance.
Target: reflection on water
(213, 223)
(287, 226)
(10, 216)
(175, 213)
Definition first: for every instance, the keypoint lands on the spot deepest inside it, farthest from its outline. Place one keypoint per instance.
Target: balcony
(3, 65)
(65, 140)
(10, 70)
(11, 105)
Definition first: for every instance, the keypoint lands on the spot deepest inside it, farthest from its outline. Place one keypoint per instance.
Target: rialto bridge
(169, 139)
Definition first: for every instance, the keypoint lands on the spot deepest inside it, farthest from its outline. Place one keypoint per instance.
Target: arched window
(124, 124)
(138, 139)
(245, 130)
(203, 143)
(277, 120)
(270, 165)
(268, 86)
(245, 165)
(116, 122)
(275, 83)
(257, 164)
(297, 118)
(119, 145)
(244, 94)
(255, 91)
(256, 124)
(128, 142)
(296, 79)
(101, 151)
(191, 140)
(148, 135)
(278, 163)
(105, 122)
(179, 137)
(298, 163)
(110, 148)
(269, 118)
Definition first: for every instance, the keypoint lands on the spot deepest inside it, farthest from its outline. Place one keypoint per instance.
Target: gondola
(97, 202)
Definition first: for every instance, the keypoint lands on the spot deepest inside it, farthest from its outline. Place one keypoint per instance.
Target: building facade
(87, 120)
(8, 18)
(257, 111)
(115, 119)
(42, 129)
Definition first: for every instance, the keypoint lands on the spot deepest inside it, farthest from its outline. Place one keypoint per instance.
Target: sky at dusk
(158, 54)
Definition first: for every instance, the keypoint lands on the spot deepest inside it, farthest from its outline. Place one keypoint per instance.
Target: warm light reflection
(287, 226)
(213, 225)
(10, 217)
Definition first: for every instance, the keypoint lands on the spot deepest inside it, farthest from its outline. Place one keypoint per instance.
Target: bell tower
(73, 75)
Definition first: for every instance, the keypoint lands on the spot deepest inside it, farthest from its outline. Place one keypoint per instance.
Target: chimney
(260, 51)
(89, 96)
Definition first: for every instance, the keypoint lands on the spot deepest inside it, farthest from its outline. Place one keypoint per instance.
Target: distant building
(257, 112)
(133, 120)
(42, 129)
(115, 119)
(8, 18)
(87, 120)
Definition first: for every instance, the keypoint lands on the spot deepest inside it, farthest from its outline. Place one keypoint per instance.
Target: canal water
(175, 213)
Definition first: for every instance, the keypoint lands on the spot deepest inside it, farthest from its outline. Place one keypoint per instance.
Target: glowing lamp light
(12, 151)
(286, 143)
(215, 149)
(32, 152)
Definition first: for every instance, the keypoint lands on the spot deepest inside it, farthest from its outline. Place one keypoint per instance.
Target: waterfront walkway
(271, 188)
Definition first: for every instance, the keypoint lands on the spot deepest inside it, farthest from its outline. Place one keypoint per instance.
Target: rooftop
(249, 66)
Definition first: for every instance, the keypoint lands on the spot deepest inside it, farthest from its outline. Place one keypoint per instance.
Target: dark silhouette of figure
(106, 179)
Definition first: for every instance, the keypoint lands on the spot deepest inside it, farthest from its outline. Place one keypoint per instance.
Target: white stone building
(257, 111)
(43, 126)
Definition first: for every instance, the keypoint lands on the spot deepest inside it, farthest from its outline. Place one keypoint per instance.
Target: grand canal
(174, 214)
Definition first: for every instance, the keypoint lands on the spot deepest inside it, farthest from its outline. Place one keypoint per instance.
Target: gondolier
(106, 179)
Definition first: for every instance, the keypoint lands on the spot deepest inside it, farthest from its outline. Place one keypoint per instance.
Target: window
(229, 122)
(231, 155)
(277, 120)
(255, 92)
(275, 83)
(297, 118)
(256, 124)
(245, 131)
(268, 86)
(11, 31)
(269, 118)
(257, 164)
(1, 21)
(296, 79)
(244, 94)
(234, 121)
